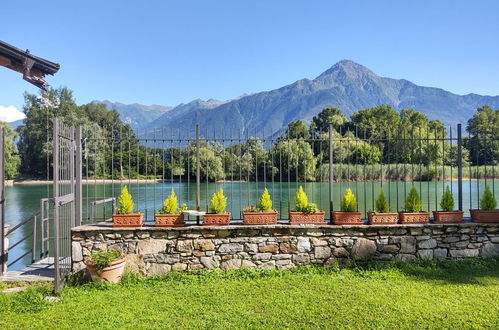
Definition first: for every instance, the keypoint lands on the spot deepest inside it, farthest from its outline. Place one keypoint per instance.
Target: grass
(444, 294)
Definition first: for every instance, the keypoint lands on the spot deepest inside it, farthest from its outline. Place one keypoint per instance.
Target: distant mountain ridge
(347, 85)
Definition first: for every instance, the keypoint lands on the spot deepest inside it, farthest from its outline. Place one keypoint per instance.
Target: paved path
(42, 270)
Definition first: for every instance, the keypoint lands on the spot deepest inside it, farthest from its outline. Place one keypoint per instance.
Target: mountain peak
(347, 68)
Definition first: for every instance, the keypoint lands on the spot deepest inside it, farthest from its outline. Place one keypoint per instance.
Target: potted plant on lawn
(348, 214)
(124, 216)
(170, 215)
(487, 211)
(106, 266)
(382, 216)
(218, 216)
(306, 213)
(262, 214)
(448, 215)
(413, 213)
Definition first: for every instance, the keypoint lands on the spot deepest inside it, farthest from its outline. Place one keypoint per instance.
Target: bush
(125, 202)
(348, 202)
(413, 202)
(102, 259)
(265, 203)
(382, 205)
(488, 202)
(218, 202)
(312, 208)
(447, 202)
(301, 200)
(170, 205)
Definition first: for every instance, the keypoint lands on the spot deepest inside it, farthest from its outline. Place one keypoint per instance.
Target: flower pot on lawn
(106, 266)
(376, 218)
(216, 219)
(218, 216)
(447, 216)
(124, 216)
(304, 218)
(262, 214)
(306, 213)
(487, 212)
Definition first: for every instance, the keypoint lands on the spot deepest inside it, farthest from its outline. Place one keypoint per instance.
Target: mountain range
(347, 85)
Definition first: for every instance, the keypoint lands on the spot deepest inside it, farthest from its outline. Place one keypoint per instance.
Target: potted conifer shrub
(218, 216)
(413, 213)
(306, 213)
(382, 216)
(348, 214)
(448, 215)
(170, 215)
(106, 266)
(124, 216)
(487, 211)
(262, 214)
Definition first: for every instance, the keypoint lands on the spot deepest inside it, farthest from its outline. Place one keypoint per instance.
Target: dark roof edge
(18, 55)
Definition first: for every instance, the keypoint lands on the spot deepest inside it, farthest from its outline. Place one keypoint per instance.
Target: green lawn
(455, 295)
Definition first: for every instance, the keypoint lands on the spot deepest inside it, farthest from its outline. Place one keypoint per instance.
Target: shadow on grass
(466, 271)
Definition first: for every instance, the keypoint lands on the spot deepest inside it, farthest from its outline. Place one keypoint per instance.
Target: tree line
(370, 138)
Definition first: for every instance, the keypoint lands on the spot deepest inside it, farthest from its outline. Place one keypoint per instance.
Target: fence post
(33, 249)
(198, 175)
(3, 258)
(330, 168)
(56, 164)
(78, 168)
(459, 167)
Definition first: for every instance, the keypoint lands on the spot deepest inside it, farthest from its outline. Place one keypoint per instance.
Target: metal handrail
(23, 222)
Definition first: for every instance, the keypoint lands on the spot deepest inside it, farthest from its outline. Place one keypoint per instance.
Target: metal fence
(196, 163)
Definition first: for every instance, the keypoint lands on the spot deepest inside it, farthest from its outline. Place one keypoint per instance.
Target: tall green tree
(484, 136)
(12, 159)
(328, 116)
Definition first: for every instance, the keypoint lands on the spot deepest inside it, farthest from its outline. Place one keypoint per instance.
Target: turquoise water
(22, 201)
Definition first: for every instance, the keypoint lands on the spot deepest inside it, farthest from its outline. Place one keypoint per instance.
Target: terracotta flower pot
(259, 218)
(346, 218)
(447, 217)
(169, 220)
(375, 218)
(414, 217)
(111, 274)
(484, 216)
(214, 219)
(128, 220)
(304, 218)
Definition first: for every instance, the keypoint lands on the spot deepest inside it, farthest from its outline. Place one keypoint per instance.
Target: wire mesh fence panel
(325, 162)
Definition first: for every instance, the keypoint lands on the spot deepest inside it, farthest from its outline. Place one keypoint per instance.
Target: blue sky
(169, 52)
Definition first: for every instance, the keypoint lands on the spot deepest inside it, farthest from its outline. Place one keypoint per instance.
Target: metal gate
(64, 174)
(3, 256)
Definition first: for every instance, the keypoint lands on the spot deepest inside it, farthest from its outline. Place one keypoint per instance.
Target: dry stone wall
(155, 251)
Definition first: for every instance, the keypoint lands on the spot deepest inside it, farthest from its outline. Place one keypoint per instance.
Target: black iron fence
(196, 163)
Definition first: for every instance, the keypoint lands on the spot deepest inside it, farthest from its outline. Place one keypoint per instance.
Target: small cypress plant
(382, 205)
(447, 202)
(488, 202)
(265, 203)
(218, 202)
(125, 202)
(170, 205)
(348, 202)
(413, 202)
(301, 200)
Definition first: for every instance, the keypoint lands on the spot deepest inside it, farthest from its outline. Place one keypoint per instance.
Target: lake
(24, 200)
